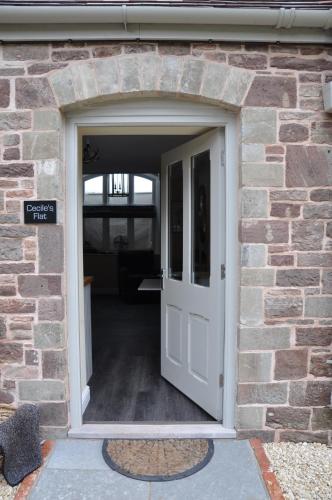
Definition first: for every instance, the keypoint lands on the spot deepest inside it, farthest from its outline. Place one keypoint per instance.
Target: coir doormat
(157, 459)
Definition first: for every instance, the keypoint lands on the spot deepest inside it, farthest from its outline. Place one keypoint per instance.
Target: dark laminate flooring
(126, 384)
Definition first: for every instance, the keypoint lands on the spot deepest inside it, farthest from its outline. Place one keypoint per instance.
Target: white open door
(193, 257)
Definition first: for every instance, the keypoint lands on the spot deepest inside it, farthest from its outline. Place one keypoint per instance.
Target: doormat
(157, 459)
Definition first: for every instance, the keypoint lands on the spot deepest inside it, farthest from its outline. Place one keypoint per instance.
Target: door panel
(193, 228)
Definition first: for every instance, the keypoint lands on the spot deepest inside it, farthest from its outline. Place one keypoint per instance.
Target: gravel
(6, 491)
(304, 470)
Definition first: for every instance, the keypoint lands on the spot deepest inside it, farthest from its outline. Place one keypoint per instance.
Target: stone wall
(285, 324)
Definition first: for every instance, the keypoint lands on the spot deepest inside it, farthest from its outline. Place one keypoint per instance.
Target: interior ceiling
(130, 153)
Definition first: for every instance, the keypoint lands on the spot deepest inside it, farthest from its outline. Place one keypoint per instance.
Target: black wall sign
(40, 212)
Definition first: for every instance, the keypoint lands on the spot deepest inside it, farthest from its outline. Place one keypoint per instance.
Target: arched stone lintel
(150, 75)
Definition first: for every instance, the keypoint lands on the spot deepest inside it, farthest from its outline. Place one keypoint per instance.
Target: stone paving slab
(76, 471)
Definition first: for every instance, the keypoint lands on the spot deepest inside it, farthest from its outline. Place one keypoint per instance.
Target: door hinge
(222, 271)
(221, 380)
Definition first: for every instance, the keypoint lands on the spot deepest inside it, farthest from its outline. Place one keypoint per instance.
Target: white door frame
(144, 113)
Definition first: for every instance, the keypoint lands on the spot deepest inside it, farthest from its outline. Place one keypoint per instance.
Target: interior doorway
(150, 246)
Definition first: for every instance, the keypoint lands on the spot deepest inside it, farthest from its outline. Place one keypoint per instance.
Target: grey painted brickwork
(285, 233)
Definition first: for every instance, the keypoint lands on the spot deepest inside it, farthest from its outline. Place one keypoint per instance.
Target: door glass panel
(200, 228)
(175, 218)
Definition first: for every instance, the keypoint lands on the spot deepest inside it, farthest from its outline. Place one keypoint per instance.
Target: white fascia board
(327, 95)
(20, 23)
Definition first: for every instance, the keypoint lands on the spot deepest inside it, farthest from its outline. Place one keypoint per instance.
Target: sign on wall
(40, 212)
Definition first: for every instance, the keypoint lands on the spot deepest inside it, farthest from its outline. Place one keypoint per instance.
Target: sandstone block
(18, 120)
(46, 119)
(267, 338)
(301, 64)
(84, 81)
(298, 277)
(51, 309)
(33, 93)
(4, 93)
(6, 397)
(31, 357)
(44, 67)
(69, 55)
(107, 51)
(321, 132)
(2, 328)
(315, 336)
(11, 139)
(51, 248)
(308, 166)
(54, 365)
(255, 367)
(293, 132)
(273, 393)
(310, 393)
(317, 211)
(11, 71)
(253, 152)
(19, 268)
(319, 366)
(48, 336)
(281, 260)
(257, 277)
(249, 61)
(318, 307)
(251, 306)
(49, 179)
(291, 364)
(174, 48)
(321, 195)
(11, 249)
(267, 231)
(16, 170)
(129, 74)
(323, 259)
(250, 417)
(307, 235)
(254, 203)
(327, 282)
(25, 52)
(40, 145)
(39, 285)
(321, 419)
(53, 414)
(11, 154)
(302, 436)
(253, 255)
(11, 352)
(41, 390)
(288, 418)
(262, 174)
(283, 307)
(259, 126)
(265, 436)
(289, 210)
(272, 91)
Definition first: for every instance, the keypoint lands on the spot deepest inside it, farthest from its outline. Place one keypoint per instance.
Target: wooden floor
(126, 384)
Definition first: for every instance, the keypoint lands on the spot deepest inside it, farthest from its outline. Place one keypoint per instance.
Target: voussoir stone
(171, 71)
(272, 91)
(33, 93)
(192, 76)
(236, 86)
(214, 80)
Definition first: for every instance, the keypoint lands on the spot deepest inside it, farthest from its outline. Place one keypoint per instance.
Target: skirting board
(152, 431)
(85, 397)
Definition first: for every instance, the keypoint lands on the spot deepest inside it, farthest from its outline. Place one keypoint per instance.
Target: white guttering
(145, 22)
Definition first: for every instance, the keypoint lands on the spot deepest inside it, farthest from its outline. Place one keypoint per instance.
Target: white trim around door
(148, 115)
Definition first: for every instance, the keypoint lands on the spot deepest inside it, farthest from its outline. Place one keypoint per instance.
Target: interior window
(143, 189)
(93, 190)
